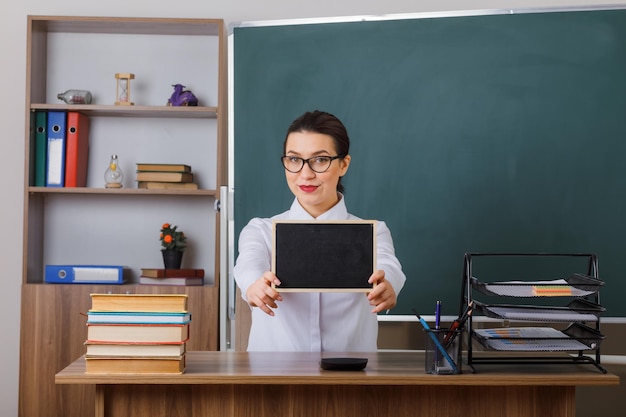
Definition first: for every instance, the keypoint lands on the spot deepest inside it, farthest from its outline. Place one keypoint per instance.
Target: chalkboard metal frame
(299, 260)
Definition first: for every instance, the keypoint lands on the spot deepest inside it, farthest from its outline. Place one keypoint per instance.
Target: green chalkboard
(491, 133)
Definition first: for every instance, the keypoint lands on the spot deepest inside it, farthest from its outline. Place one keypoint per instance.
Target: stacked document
(538, 338)
(576, 286)
(539, 314)
(578, 310)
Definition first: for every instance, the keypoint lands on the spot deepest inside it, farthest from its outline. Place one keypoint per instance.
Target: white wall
(12, 85)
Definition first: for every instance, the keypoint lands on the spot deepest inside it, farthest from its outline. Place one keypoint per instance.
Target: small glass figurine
(113, 176)
(122, 89)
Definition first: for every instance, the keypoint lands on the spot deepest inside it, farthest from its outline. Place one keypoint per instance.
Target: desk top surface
(383, 368)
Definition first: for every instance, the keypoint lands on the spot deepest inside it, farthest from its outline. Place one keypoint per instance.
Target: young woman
(315, 157)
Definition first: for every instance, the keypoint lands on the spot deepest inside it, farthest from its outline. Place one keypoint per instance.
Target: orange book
(137, 333)
(135, 365)
(77, 149)
(162, 303)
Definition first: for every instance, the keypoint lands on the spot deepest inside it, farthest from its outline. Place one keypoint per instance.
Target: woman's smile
(308, 188)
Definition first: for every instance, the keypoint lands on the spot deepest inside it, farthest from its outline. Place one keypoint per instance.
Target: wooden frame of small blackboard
(323, 256)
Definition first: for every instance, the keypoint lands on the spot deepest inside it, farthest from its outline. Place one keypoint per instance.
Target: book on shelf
(172, 273)
(134, 365)
(155, 185)
(171, 281)
(163, 167)
(172, 303)
(164, 176)
(93, 350)
(137, 333)
(114, 317)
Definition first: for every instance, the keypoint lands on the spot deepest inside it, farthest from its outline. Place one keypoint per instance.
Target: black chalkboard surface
(324, 256)
(501, 132)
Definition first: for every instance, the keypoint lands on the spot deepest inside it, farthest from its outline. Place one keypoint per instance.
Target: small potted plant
(173, 244)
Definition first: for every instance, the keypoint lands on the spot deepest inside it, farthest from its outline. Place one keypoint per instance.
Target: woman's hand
(383, 296)
(261, 294)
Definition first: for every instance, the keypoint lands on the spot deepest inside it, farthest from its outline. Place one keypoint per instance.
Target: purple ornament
(182, 97)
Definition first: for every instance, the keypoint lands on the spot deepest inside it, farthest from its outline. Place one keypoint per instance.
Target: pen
(458, 323)
(437, 323)
(448, 342)
(436, 341)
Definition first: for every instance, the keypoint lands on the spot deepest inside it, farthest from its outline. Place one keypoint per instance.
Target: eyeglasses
(317, 164)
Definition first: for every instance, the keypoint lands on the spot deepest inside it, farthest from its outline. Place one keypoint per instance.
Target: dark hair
(325, 123)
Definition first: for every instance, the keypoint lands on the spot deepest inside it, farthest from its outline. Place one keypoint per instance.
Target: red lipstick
(308, 188)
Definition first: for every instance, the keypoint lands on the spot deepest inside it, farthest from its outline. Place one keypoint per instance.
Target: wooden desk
(292, 384)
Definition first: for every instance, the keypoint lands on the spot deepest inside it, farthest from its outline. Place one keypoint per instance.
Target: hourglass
(122, 89)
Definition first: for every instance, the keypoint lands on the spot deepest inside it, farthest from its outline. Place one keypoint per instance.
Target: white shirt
(312, 322)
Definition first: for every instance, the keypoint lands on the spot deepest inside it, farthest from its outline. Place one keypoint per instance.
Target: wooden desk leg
(99, 401)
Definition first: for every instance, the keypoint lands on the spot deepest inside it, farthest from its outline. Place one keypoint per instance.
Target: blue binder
(55, 161)
(84, 274)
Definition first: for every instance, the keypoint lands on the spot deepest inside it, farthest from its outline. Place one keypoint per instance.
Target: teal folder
(40, 148)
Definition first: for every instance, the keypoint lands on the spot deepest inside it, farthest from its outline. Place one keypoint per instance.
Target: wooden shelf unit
(197, 112)
(95, 225)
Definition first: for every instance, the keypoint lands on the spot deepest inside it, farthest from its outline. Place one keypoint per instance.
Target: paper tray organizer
(582, 312)
(531, 339)
(575, 311)
(577, 285)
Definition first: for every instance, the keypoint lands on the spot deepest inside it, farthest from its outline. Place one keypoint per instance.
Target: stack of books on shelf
(165, 177)
(60, 148)
(137, 333)
(156, 276)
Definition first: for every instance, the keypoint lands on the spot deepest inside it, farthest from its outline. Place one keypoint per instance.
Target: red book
(172, 273)
(77, 149)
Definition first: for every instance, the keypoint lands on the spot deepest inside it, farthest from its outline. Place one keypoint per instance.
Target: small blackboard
(318, 256)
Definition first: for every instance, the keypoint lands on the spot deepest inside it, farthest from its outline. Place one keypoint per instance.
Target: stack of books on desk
(165, 177)
(158, 276)
(137, 333)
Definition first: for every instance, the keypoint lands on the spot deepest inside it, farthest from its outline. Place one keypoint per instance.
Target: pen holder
(436, 361)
